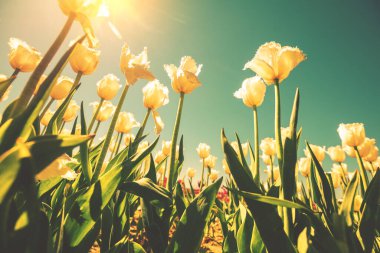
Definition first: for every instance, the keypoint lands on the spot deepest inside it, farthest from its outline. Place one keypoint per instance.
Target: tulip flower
(276, 173)
(155, 96)
(226, 167)
(336, 154)
(135, 67)
(268, 146)
(318, 151)
(84, 59)
(61, 88)
(210, 161)
(372, 154)
(23, 57)
(129, 138)
(190, 173)
(166, 145)
(252, 92)
(357, 203)
(46, 118)
(184, 79)
(105, 111)
(266, 159)
(340, 168)
(125, 122)
(71, 111)
(214, 174)
(244, 147)
(273, 63)
(203, 150)
(304, 165)
(159, 157)
(336, 179)
(352, 135)
(58, 168)
(108, 87)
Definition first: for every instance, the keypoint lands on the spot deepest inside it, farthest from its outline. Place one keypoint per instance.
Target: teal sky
(338, 82)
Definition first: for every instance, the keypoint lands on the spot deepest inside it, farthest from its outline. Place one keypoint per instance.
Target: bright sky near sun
(338, 82)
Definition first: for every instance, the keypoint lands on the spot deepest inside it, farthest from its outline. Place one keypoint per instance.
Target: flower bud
(268, 146)
(106, 110)
(22, 56)
(88, 8)
(304, 165)
(108, 87)
(46, 118)
(372, 155)
(61, 88)
(191, 172)
(214, 175)
(252, 92)
(84, 59)
(125, 122)
(71, 111)
(336, 154)
(357, 203)
(166, 146)
(155, 95)
(210, 161)
(129, 138)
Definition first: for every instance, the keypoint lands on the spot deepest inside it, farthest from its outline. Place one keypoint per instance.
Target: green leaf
(244, 234)
(86, 165)
(346, 208)
(177, 168)
(4, 85)
(179, 199)
(125, 245)
(189, 231)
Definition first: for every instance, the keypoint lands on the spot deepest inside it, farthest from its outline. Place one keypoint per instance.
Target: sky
(338, 82)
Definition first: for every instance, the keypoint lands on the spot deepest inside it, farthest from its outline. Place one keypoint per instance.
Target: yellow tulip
(364, 149)
(268, 146)
(252, 91)
(304, 165)
(190, 172)
(357, 203)
(336, 179)
(84, 59)
(135, 67)
(46, 118)
(266, 159)
(62, 88)
(318, 151)
(372, 154)
(108, 87)
(88, 8)
(244, 147)
(184, 79)
(340, 168)
(276, 173)
(142, 146)
(22, 56)
(203, 150)
(58, 168)
(106, 110)
(125, 122)
(352, 135)
(226, 167)
(214, 175)
(166, 146)
(273, 62)
(155, 95)
(159, 157)
(210, 161)
(71, 111)
(336, 154)
(129, 138)
(42, 79)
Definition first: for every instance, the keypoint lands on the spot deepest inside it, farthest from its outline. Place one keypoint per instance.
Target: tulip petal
(288, 59)
(159, 124)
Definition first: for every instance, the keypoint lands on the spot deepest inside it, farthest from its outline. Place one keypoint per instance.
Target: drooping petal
(288, 59)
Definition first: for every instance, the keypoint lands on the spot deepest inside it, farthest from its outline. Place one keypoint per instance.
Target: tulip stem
(208, 175)
(46, 108)
(256, 173)
(174, 141)
(279, 148)
(202, 175)
(95, 131)
(95, 115)
(271, 170)
(111, 129)
(119, 143)
(115, 145)
(363, 173)
(145, 121)
(30, 86)
(164, 175)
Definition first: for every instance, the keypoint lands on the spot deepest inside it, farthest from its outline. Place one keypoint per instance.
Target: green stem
(145, 121)
(115, 145)
(30, 86)
(119, 143)
(95, 131)
(166, 166)
(62, 126)
(277, 126)
(174, 141)
(46, 108)
(256, 173)
(363, 173)
(202, 175)
(111, 129)
(208, 175)
(271, 170)
(95, 115)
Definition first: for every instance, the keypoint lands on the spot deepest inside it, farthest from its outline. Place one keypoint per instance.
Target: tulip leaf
(346, 208)
(125, 245)
(193, 221)
(265, 216)
(4, 85)
(177, 168)
(179, 199)
(244, 234)
(86, 166)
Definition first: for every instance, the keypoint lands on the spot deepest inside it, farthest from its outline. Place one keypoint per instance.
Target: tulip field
(64, 187)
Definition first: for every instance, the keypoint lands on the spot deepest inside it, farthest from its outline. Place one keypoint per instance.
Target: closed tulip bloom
(318, 151)
(268, 146)
(184, 79)
(350, 151)
(266, 159)
(58, 168)
(135, 67)
(46, 118)
(106, 110)
(210, 161)
(155, 95)
(166, 146)
(88, 8)
(108, 87)
(352, 135)
(61, 88)
(336, 179)
(340, 168)
(159, 157)
(129, 138)
(142, 146)
(304, 165)
(336, 154)
(84, 59)
(190, 172)
(372, 155)
(226, 167)
(125, 122)
(364, 148)
(244, 147)
(252, 91)
(273, 62)
(203, 150)
(276, 172)
(214, 175)
(42, 79)
(71, 111)
(357, 203)
(22, 56)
